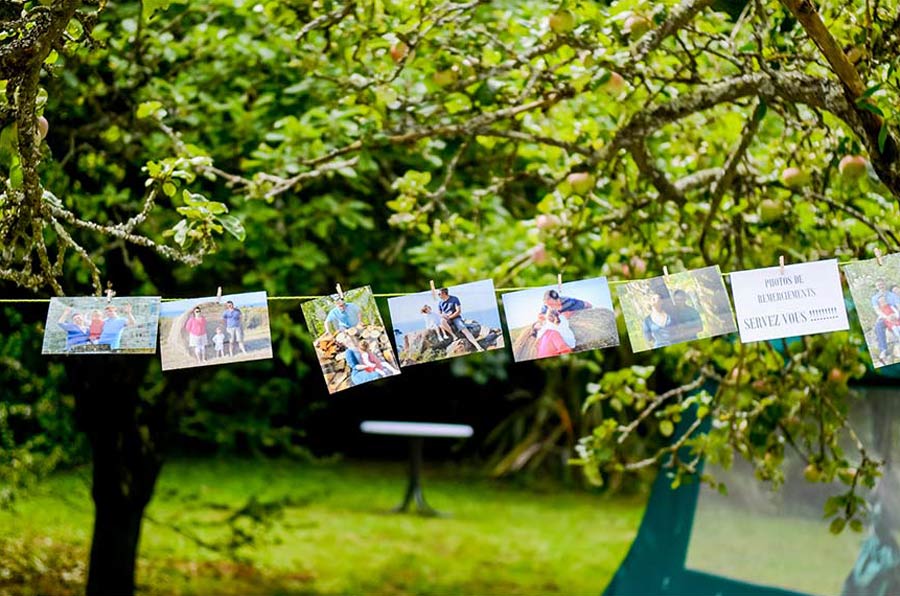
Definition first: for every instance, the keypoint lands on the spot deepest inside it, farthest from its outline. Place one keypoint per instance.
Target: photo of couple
(556, 320)
(445, 323)
(92, 325)
(206, 331)
(350, 339)
(661, 311)
(876, 292)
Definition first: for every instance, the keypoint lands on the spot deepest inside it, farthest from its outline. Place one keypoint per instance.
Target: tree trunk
(125, 431)
(117, 528)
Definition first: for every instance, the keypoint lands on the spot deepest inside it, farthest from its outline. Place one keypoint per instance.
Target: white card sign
(804, 299)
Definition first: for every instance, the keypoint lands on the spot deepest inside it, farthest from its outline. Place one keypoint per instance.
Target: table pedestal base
(414, 488)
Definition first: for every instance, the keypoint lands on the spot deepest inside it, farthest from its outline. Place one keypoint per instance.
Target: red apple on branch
(399, 51)
(635, 26)
(582, 182)
(538, 254)
(615, 84)
(43, 127)
(852, 167)
(770, 211)
(794, 177)
(561, 22)
(545, 221)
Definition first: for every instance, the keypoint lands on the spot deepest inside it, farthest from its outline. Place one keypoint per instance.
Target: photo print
(876, 292)
(96, 325)
(801, 299)
(450, 322)
(551, 320)
(351, 342)
(211, 330)
(661, 311)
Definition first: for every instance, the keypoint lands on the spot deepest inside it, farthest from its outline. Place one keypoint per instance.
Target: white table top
(415, 429)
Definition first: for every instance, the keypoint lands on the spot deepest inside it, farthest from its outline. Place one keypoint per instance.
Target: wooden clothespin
(218, 294)
(781, 264)
(433, 290)
(559, 283)
(340, 292)
(666, 273)
(878, 257)
(109, 292)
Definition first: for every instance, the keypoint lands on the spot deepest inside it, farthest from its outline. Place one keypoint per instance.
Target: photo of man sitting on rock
(453, 321)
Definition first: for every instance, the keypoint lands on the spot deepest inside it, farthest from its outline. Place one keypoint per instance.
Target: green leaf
(16, 176)
(882, 135)
(837, 525)
(760, 112)
(833, 505)
(864, 104)
(180, 230)
(151, 6)
(169, 189)
(194, 199)
(9, 138)
(149, 109)
(871, 90)
(233, 226)
(285, 352)
(457, 102)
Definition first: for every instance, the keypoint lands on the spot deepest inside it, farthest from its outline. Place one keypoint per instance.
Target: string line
(613, 282)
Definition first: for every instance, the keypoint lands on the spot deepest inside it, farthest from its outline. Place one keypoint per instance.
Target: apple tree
(470, 139)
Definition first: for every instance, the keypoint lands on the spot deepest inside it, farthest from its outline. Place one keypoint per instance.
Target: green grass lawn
(788, 551)
(332, 535)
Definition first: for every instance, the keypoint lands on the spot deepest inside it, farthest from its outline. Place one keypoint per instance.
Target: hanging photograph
(876, 292)
(207, 331)
(800, 299)
(551, 320)
(661, 311)
(453, 321)
(95, 325)
(351, 342)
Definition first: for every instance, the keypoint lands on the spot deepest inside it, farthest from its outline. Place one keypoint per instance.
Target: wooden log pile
(330, 351)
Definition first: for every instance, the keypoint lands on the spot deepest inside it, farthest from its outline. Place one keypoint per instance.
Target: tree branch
(724, 181)
(680, 16)
(644, 160)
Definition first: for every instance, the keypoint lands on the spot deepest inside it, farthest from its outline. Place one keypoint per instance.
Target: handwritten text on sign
(803, 299)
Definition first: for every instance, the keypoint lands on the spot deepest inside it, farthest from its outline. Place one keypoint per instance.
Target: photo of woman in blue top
(659, 323)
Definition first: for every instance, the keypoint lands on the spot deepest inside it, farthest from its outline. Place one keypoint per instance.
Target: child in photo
(219, 342)
(436, 322)
(96, 329)
(373, 362)
(550, 338)
(560, 324)
(891, 317)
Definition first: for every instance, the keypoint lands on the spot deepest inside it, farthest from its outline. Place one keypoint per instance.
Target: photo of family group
(551, 321)
(351, 342)
(661, 311)
(95, 325)
(876, 292)
(449, 322)
(207, 331)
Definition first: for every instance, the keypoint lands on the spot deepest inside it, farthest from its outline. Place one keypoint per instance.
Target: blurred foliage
(37, 422)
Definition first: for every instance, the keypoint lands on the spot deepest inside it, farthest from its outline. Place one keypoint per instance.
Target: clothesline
(614, 282)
